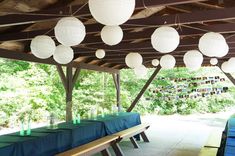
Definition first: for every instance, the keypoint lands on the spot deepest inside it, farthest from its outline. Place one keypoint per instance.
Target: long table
(49, 142)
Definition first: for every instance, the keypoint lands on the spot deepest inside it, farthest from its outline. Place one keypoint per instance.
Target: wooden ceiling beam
(54, 14)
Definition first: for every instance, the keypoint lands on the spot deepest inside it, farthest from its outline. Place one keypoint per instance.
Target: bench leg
(106, 152)
(135, 144)
(117, 149)
(145, 138)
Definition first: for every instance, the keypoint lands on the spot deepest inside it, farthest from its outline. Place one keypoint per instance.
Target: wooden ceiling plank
(45, 15)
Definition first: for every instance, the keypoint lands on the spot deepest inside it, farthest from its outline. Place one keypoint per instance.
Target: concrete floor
(176, 135)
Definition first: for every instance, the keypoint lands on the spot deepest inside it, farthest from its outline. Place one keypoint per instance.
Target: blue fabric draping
(48, 142)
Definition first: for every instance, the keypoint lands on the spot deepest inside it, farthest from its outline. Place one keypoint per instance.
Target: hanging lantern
(111, 35)
(165, 39)
(155, 62)
(226, 67)
(213, 61)
(42, 46)
(140, 71)
(133, 60)
(193, 67)
(70, 31)
(213, 45)
(100, 53)
(63, 54)
(193, 59)
(167, 61)
(111, 12)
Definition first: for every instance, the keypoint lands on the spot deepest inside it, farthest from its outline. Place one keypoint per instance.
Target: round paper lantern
(133, 60)
(63, 54)
(167, 61)
(141, 71)
(155, 62)
(213, 45)
(42, 46)
(226, 67)
(193, 67)
(226, 50)
(213, 61)
(111, 12)
(70, 31)
(231, 62)
(165, 39)
(111, 35)
(100, 53)
(193, 58)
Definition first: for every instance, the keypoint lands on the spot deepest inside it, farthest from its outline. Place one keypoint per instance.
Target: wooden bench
(130, 133)
(99, 145)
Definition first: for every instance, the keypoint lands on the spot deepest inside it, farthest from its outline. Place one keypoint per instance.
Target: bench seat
(99, 145)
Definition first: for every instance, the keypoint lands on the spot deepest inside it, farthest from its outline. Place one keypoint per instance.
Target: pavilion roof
(22, 20)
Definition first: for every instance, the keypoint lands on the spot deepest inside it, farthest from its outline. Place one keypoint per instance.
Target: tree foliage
(37, 89)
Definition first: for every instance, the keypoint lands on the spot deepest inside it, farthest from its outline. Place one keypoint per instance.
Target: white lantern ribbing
(213, 61)
(111, 12)
(167, 61)
(133, 60)
(165, 39)
(213, 45)
(155, 62)
(70, 31)
(42, 46)
(193, 58)
(63, 54)
(111, 35)
(140, 71)
(100, 53)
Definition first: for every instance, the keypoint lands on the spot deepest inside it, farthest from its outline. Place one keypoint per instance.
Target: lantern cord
(144, 4)
(79, 9)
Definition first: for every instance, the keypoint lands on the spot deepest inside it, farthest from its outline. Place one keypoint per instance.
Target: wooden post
(69, 92)
(68, 81)
(116, 79)
(143, 89)
(118, 92)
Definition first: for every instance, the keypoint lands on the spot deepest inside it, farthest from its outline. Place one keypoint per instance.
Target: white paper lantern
(133, 60)
(111, 35)
(63, 54)
(231, 62)
(213, 45)
(100, 53)
(70, 31)
(165, 39)
(111, 12)
(42, 46)
(193, 67)
(193, 58)
(167, 61)
(226, 67)
(226, 50)
(213, 61)
(155, 62)
(140, 71)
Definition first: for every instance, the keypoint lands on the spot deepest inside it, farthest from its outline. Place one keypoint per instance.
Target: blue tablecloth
(46, 142)
(116, 123)
(227, 146)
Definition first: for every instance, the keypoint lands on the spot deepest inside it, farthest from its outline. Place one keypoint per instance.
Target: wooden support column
(143, 89)
(68, 82)
(116, 79)
(69, 92)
